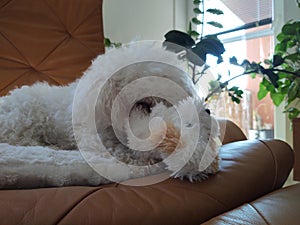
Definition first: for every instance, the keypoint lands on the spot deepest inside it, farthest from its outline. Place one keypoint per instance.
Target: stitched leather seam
(51, 52)
(22, 75)
(275, 163)
(65, 28)
(89, 194)
(14, 61)
(48, 77)
(81, 24)
(55, 14)
(14, 81)
(218, 201)
(15, 47)
(62, 41)
(7, 3)
(93, 11)
(88, 48)
(258, 212)
(78, 202)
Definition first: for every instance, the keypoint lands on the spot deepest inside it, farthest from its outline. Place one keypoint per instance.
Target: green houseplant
(280, 75)
(197, 47)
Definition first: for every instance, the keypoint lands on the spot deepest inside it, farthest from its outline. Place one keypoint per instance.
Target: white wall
(283, 11)
(128, 20)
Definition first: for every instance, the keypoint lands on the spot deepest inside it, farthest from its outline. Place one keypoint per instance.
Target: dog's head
(162, 124)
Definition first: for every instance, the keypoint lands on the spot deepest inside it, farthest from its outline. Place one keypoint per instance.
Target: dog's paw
(192, 176)
(195, 175)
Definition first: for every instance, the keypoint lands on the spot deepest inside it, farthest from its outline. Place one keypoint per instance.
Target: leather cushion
(277, 208)
(249, 169)
(47, 40)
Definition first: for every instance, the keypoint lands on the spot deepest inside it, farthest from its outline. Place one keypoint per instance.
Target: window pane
(254, 117)
(237, 13)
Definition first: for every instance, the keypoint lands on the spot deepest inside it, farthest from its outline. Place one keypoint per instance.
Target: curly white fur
(41, 115)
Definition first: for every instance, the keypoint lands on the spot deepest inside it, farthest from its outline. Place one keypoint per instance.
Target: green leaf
(179, 38)
(197, 2)
(248, 66)
(293, 91)
(196, 21)
(214, 84)
(292, 112)
(252, 75)
(189, 30)
(233, 61)
(267, 62)
(298, 34)
(215, 24)
(215, 11)
(263, 91)
(277, 98)
(291, 43)
(234, 88)
(235, 93)
(194, 34)
(239, 93)
(208, 45)
(280, 37)
(197, 11)
(284, 89)
(235, 99)
(273, 77)
(281, 47)
(117, 44)
(293, 57)
(277, 60)
(290, 28)
(107, 42)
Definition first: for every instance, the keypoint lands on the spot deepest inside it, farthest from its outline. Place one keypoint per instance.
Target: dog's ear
(208, 111)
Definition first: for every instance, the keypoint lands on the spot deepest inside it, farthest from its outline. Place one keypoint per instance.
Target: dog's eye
(188, 124)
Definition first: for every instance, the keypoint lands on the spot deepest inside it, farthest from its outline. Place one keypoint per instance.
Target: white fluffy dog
(137, 124)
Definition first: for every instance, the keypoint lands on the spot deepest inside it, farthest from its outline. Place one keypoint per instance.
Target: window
(246, 34)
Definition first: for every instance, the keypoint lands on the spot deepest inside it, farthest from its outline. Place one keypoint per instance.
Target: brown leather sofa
(249, 170)
(54, 41)
(278, 207)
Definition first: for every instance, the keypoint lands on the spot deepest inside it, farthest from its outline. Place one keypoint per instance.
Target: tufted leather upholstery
(47, 40)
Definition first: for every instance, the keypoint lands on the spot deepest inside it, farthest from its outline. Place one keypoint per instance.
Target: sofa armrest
(279, 207)
(249, 169)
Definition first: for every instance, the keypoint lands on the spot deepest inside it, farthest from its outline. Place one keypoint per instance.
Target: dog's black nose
(208, 111)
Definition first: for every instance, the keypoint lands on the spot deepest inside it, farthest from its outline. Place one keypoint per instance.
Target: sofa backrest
(48, 40)
(230, 132)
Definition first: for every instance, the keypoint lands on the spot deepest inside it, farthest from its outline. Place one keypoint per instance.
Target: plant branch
(217, 89)
(286, 71)
(202, 28)
(194, 74)
(240, 75)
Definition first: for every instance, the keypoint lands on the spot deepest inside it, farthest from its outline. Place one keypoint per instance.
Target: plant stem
(240, 75)
(194, 73)
(202, 28)
(215, 90)
(286, 71)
